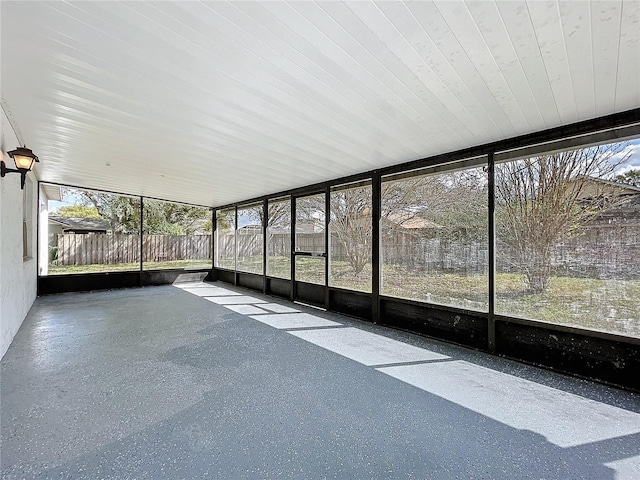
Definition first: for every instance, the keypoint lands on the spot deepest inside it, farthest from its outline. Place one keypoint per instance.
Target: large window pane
(226, 239)
(175, 235)
(91, 231)
(249, 239)
(568, 230)
(310, 228)
(350, 237)
(434, 238)
(279, 239)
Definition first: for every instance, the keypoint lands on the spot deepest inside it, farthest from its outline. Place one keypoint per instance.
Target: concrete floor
(202, 381)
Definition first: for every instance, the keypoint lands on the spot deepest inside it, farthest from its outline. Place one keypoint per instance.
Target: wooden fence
(279, 244)
(605, 250)
(96, 248)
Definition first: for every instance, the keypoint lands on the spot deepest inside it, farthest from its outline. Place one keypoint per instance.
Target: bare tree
(401, 201)
(351, 224)
(279, 212)
(542, 200)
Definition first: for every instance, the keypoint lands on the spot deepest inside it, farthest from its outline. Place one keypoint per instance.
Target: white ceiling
(260, 97)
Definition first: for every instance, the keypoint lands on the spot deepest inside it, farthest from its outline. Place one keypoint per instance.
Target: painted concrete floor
(209, 381)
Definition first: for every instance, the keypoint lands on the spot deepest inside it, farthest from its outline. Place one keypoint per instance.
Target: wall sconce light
(24, 160)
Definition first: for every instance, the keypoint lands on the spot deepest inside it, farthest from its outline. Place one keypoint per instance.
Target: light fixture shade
(23, 158)
(23, 161)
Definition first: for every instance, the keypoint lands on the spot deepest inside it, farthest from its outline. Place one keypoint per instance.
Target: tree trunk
(536, 267)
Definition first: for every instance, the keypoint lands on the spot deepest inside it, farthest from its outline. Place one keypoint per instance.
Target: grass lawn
(123, 267)
(607, 305)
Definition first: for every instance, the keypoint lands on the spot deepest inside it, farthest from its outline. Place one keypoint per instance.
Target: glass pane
(175, 236)
(434, 244)
(90, 231)
(249, 239)
(226, 239)
(567, 227)
(310, 218)
(310, 269)
(350, 238)
(279, 239)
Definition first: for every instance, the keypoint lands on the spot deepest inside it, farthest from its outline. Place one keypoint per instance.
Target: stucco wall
(17, 274)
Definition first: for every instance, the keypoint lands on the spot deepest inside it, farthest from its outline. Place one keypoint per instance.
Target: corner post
(376, 209)
(491, 233)
(141, 237)
(265, 251)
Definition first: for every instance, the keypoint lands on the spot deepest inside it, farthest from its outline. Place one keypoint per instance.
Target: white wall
(17, 274)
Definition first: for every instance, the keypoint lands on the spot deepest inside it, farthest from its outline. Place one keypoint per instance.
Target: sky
(634, 160)
(67, 200)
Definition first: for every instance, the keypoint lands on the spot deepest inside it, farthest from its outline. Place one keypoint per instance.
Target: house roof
(77, 223)
(411, 222)
(595, 187)
(625, 187)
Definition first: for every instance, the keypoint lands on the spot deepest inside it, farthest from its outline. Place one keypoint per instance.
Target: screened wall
(434, 237)
(310, 240)
(550, 237)
(250, 239)
(523, 248)
(225, 236)
(90, 231)
(279, 238)
(350, 236)
(175, 236)
(567, 239)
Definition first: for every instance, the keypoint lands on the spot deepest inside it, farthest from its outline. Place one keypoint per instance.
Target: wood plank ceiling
(215, 102)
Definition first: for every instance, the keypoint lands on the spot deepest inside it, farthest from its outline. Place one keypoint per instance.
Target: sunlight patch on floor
(563, 418)
(365, 347)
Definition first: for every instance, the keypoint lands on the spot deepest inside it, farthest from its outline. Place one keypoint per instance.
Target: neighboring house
(78, 225)
(609, 245)
(314, 225)
(250, 230)
(598, 187)
(397, 221)
(301, 227)
(58, 225)
(625, 206)
(200, 226)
